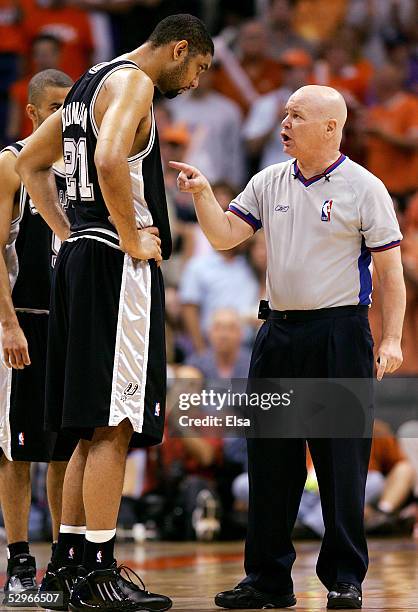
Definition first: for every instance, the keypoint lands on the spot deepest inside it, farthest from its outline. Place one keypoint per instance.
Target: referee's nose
(286, 123)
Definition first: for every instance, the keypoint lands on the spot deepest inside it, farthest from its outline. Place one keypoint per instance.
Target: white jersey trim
(98, 88)
(5, 393)
(132, 345)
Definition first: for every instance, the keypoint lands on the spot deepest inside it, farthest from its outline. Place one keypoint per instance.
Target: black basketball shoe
(21, 580)
(59, 580)
(108, 590)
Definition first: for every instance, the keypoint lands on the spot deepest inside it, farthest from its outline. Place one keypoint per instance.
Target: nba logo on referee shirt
(326, 211)
(21, 438)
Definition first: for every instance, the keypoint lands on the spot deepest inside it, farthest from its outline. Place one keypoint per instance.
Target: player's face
(52, 99)
(303, 129)
(184, 75)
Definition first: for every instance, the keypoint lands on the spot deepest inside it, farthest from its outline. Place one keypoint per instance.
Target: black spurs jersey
(80, 131)
(32, 248)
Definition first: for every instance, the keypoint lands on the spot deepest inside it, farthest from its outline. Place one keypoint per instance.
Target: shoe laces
(127, 572)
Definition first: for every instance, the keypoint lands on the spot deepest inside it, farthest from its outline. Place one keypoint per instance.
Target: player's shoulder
(129, 75)
(361, 180)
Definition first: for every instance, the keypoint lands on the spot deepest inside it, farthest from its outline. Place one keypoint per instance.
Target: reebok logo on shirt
(281, 208)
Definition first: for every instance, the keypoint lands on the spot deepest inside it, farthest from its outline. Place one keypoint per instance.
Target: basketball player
(106, 352)
(28, 250)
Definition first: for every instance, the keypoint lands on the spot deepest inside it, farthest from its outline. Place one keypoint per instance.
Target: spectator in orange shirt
(254, 73)
(11, 46)
(69, 24)
(392, 129)
(318, 20)
(46, 53)
(341, 68)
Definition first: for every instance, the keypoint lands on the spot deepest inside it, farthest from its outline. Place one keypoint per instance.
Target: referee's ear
(331, 128)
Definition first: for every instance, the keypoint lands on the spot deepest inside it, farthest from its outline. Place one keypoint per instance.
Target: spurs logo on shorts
(129, 390)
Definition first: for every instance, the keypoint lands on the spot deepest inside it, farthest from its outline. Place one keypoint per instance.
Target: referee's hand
(15, 347)
(190, 179)
(389, 357)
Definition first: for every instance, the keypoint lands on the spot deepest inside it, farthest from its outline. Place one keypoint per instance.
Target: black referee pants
(337, 346)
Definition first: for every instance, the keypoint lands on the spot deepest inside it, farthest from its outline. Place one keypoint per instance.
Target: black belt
(309, 315)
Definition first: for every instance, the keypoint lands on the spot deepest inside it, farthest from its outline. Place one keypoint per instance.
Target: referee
(327, 220)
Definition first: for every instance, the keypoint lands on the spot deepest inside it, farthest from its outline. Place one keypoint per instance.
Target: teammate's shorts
(22, 402)
(106, 350)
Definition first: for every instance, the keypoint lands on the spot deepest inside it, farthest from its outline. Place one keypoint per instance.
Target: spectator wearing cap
(261, 130)
(253, 72)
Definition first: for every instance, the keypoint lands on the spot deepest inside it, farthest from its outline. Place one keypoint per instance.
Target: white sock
(98, 536)
(73, 529)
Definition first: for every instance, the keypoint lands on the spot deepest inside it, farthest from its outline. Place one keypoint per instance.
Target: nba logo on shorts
(99, 556)
(71, 553)
(157, 409)
(326, 210)
(21, 438)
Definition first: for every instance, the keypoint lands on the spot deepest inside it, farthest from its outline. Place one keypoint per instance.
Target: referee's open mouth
(285, 138)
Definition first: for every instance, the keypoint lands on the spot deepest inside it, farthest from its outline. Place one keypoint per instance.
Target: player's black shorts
(106, 351)
(22, 402)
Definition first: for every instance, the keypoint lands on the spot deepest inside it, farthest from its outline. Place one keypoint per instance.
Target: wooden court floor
(191, 573)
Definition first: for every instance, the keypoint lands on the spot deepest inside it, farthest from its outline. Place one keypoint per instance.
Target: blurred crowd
(229, 128)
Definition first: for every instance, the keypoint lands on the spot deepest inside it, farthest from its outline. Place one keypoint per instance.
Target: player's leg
(102, 491)
(54, 486)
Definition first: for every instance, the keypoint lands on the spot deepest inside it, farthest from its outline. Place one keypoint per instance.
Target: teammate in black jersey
(28, 250)
(106, 352)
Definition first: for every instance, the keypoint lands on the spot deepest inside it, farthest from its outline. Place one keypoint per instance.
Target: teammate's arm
(388, 266)
(15, 346)
(130, 96)
(34, 165)
(223, 230)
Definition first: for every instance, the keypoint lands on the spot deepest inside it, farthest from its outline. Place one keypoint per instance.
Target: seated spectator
(69, 24)
(221, 279)
(390, 483)
(279, 17)
(318, 20)
(261, 130)
(341, 67)
(12, 46)
(391, 125)
(214, 123)
(45, 54)
(250, 72)
(225, 357)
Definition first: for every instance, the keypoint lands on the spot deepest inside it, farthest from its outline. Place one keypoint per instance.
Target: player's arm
(14, 344)
(130, 96)
(388, 266)
(34, 165)
(223, 230)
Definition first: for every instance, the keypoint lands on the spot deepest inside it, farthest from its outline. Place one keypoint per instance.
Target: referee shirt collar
(298, 174)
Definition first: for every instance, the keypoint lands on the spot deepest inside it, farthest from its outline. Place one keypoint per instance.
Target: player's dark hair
(46, 78)
(183, 27)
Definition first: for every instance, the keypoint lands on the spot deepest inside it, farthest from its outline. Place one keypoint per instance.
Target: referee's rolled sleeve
(379, 225)
(246, 206)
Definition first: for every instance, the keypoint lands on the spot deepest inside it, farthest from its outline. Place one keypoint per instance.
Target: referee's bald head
(315, 118)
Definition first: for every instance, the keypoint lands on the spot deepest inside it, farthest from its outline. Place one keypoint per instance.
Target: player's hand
(15, 347)
(190, 179)
(147, 247)
(389, 357)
